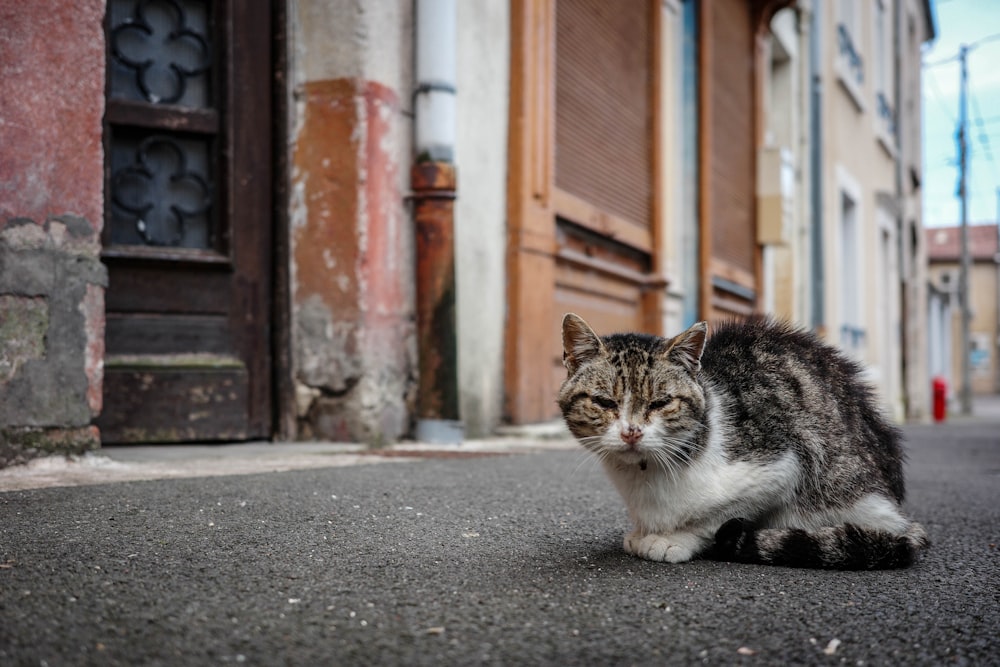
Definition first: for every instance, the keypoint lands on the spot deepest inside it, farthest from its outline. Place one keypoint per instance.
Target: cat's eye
(670, 402)
(604, 402)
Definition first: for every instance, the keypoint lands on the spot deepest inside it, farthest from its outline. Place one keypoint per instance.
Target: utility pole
(963, 275)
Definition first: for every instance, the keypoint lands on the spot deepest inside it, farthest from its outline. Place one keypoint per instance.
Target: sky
(962, 22)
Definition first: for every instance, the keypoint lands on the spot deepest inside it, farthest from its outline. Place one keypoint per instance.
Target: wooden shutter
(583, 213)
(603, 106)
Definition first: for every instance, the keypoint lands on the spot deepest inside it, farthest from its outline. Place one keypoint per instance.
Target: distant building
(944, 255)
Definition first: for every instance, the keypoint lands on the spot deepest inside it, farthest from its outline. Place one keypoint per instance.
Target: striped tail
(845, 547)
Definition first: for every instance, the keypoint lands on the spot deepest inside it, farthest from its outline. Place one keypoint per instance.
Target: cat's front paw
(632, 541)
(676, 548)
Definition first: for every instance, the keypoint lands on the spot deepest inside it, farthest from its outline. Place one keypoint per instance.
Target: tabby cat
(761, 445)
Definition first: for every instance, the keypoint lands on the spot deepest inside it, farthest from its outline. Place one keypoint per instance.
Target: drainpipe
(907, 272)
(433, 181)
(816, 165)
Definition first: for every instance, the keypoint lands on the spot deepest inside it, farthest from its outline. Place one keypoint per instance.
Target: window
(849, 61)
(885, 113)
(162, 129)
(881, 81)
(852, 333)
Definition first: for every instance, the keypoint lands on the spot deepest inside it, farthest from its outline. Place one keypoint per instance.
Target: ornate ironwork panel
(163, 142)
(161, 192)
(160, 51)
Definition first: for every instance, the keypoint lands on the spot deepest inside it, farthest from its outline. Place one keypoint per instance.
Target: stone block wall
(51, 337)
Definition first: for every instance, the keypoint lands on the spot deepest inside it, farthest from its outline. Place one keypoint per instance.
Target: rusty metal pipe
(438, 417)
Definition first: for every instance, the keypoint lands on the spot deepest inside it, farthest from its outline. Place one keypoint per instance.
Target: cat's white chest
(704, 494)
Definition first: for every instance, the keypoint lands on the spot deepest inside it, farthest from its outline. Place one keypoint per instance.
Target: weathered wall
(984, 363)
(982, 330)
(351, 238)
(51, 208)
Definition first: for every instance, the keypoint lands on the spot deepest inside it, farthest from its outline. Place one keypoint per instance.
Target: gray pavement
(508, 558)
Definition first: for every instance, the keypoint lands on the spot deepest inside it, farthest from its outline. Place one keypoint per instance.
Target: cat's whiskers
(675, 459)
(667, 452)
(584, 457)
(664, 462)
(596, 450)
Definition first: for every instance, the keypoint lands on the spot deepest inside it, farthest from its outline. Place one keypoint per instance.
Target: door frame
(725, 289)
(284, 421)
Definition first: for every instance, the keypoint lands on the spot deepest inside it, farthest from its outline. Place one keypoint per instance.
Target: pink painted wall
(51, 106)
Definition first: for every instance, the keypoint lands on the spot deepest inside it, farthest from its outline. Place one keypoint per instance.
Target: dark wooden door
(188, 225)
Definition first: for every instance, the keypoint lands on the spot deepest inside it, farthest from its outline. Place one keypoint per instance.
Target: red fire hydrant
(940, 386)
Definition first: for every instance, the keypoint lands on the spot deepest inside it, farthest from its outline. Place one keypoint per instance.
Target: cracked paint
(352, 302)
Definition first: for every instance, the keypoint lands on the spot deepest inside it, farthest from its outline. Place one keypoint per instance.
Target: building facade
(944, 253)
(869, 261)
(380, 212)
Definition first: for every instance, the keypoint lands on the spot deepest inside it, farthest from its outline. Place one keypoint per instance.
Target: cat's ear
(686, 348)
(580, 343)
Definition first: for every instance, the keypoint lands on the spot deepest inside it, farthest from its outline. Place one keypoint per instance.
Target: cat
(759, 444)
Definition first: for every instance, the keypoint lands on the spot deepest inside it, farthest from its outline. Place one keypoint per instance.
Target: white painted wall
(481, 209)
(335, 39)
(859, 162)
(785, 267)
(912, 29)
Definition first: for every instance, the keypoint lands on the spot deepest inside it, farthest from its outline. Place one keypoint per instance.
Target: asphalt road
(496, 560)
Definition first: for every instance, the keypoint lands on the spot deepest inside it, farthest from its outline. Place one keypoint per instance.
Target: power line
(983, 40)
(968, 47)
(942, 61)
(939, 97)
(984, 139)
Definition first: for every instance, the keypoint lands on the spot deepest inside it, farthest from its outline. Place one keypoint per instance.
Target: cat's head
(633, 398)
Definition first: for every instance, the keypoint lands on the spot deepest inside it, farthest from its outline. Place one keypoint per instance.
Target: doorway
(188, 221)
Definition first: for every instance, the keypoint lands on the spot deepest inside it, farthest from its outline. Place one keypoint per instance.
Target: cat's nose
(631, 435)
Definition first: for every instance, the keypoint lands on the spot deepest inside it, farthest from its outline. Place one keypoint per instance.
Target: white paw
(675, 548)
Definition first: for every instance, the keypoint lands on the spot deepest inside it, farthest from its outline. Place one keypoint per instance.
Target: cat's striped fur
(760, 444)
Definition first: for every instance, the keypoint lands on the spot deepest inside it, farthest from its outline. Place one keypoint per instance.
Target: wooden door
(187, 233)
(583, 218)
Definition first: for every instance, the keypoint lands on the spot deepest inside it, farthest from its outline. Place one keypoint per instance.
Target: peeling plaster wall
(352, 301)
(51, 211)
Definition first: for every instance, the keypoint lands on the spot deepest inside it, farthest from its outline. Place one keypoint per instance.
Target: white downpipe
(434, 99)
(434, 140)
